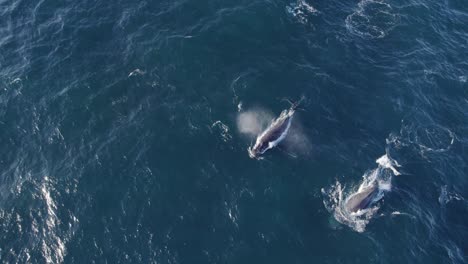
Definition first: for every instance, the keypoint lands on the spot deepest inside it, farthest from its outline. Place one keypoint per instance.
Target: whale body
(363, 199)
(275, 132)
(273, 135)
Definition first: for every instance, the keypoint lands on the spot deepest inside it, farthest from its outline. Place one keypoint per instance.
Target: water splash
(389, 163)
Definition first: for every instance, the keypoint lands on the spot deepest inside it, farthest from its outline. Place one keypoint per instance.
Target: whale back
(277, 128)
(273, 135)
(362, 199)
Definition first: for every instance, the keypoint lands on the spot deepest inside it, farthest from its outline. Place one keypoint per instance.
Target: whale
(376, 183)
(363, 198)
(274, 133)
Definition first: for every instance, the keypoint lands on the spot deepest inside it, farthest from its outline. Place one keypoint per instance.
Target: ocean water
(124, 133)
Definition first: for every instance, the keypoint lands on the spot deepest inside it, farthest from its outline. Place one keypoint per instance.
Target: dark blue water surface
(121, 142)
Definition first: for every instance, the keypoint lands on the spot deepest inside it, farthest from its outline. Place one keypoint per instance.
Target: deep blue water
(121, 143)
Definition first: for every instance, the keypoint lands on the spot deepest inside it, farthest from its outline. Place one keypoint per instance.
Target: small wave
(372, 19)
(136, 72)
(224, 130)
(301, 11)
(398, 213)
(239, 85)
(233, 213)
(239, 106)
(446, 196)
(16, 81)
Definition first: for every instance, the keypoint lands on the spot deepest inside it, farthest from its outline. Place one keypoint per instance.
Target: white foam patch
(385, 186)
(388, 163)
(233, 213)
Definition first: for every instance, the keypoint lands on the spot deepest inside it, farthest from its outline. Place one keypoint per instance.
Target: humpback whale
(376, 183)
(363, 198)
(274, 133)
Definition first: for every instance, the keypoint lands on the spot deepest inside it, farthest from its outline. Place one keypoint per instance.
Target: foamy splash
(389, 163)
